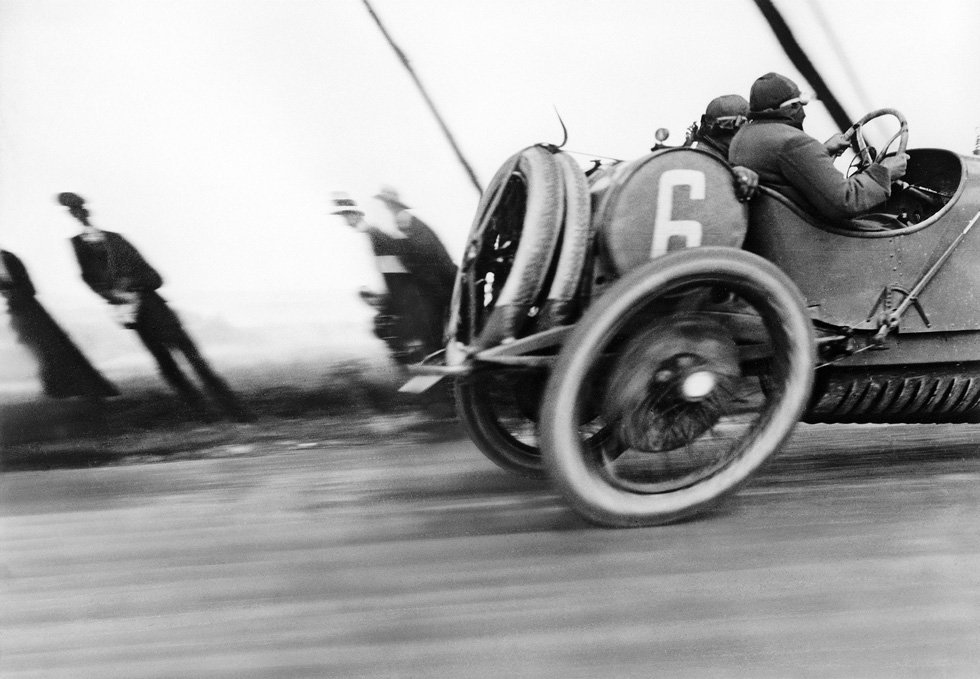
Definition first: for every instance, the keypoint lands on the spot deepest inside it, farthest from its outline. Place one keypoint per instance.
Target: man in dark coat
(418, 277)
(789, 160)
(425, 257)
(115, 270)
(62, 368)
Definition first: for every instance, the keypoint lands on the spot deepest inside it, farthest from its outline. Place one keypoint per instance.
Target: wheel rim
(497, 409)
(628, 480)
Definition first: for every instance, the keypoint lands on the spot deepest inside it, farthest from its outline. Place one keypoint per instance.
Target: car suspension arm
(893, 318)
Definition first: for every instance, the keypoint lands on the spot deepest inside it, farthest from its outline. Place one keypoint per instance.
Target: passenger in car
(789, 160)
(722, 118)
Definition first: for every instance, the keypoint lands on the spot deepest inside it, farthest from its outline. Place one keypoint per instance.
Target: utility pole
(425, 95)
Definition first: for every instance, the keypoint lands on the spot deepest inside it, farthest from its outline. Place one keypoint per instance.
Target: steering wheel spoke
(866, 155)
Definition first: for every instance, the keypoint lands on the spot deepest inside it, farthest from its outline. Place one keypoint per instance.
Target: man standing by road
(425, 257)
(116, 271)
(63, 370)
(418, 276)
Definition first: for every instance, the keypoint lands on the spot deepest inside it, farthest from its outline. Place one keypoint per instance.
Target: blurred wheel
(498, 409)
(674, 351)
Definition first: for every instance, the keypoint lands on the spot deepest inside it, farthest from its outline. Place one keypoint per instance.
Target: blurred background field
(309, 376)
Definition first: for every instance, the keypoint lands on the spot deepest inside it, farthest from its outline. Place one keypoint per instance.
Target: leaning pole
(425, 95)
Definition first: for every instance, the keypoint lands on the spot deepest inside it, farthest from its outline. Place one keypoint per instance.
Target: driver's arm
(807, 166)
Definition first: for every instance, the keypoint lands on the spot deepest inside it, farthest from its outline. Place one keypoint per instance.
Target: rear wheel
(507, 272)
(499, 408)
(674, 353)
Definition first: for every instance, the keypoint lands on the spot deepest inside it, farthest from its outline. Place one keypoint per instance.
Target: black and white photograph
(463, 338)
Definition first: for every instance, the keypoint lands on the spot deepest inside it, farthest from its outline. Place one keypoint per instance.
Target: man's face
(79, 213)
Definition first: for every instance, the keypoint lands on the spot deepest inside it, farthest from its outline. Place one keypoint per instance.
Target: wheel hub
(672, 382)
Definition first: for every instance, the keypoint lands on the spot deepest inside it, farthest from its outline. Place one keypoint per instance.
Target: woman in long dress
(62, 368)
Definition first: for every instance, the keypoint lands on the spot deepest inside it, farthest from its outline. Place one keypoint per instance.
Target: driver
(789, 160)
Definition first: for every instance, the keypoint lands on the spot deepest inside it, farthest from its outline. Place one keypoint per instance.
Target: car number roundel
(669, 200)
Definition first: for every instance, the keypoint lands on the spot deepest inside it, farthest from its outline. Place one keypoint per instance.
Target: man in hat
(425, 256)
(789, 160)
(722, 118)
(412, 312)
(116, 271)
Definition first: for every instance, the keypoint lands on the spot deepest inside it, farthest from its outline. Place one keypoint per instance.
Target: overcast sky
(212, 132)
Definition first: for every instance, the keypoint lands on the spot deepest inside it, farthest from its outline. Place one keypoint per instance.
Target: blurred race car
(646, 338)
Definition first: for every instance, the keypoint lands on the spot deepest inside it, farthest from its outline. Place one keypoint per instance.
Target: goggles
(724, 122)
(802, 99)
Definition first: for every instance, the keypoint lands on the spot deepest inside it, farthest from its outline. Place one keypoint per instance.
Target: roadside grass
(299, 403)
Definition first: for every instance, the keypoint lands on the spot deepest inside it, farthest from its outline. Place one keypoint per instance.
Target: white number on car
(665, 228)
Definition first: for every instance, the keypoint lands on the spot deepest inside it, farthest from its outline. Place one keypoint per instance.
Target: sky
(212, 133)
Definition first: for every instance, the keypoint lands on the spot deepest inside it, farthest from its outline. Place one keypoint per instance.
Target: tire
(511, 246)
(497, 410)
(512, 243)
(726, 432)
(563, 302)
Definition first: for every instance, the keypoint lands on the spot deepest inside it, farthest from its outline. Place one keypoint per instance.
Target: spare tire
(510, 249)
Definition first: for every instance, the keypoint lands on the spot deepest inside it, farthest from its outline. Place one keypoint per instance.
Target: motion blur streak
(854, 554)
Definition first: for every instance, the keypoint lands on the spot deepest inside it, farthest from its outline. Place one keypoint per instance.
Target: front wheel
(674, 353)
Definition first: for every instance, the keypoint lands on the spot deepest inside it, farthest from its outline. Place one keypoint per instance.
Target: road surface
(856, 553)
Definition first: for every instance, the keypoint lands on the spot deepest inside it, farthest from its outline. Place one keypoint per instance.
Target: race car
(645, 337)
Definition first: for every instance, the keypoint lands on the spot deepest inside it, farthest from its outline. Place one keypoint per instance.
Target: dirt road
(855, 554)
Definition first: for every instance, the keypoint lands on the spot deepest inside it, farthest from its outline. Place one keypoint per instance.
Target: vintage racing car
(645, 338)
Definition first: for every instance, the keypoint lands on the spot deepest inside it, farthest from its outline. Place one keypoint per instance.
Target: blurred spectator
(115, 270)
(418, 275)
(62, 368)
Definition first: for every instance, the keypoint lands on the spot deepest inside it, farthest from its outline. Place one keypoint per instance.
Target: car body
(645, 338)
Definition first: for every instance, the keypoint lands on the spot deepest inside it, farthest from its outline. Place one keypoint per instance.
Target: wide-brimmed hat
(389, 195)
(345, 205)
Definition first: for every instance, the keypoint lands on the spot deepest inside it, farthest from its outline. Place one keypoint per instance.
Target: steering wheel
(855, 135)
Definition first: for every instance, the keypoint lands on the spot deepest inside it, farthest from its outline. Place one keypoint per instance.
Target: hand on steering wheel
(855, 135)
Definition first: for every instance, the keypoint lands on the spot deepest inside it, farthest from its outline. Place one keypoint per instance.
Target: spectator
(116, 271)
(62, 368)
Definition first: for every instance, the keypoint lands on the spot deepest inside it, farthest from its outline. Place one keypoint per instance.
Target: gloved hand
(837, 144)
(896, 165)
(746, 182)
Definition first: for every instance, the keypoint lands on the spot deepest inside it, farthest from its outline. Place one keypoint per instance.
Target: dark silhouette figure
(62, 368)
(418, 274)
(115, 270)
(426, 258)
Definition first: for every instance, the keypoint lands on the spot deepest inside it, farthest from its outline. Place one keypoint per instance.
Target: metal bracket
(891, 316)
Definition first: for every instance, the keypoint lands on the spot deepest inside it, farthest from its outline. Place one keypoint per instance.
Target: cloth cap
(727, 105)
(389, 195)
(771, 90)
(71, 200)
(345, 205)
